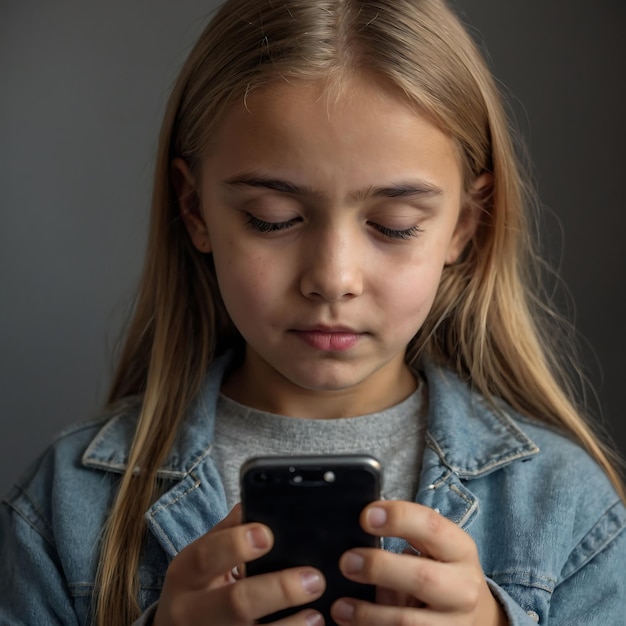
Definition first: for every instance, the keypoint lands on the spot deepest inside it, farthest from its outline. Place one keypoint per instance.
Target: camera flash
(329, 477)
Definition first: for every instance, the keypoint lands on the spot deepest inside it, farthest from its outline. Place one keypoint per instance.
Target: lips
(330, 339)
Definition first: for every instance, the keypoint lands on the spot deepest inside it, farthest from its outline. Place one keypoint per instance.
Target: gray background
(83, 85)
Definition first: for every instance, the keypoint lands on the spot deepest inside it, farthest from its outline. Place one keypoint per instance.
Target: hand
(444, 585)
(201, 588)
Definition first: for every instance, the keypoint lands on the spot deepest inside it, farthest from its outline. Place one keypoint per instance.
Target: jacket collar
(469, 437)
(110, 448)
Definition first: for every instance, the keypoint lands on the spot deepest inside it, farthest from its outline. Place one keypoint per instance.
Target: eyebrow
(401, 189)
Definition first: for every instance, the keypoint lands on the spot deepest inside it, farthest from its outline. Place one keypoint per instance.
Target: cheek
(410, 295)
(246, 281)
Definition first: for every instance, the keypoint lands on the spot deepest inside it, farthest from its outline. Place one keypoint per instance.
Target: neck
(276, 394)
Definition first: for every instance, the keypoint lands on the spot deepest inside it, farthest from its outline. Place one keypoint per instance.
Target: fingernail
(343, 611)
(352, 563)
(257, 538)
(376, 517)
(312, 582)
(314, 619)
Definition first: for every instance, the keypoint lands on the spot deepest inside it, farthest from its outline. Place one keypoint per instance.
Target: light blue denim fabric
(548, 525)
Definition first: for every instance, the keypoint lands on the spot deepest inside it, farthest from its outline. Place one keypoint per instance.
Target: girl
(339, 260)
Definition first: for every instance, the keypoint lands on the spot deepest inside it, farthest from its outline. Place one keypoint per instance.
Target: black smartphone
(312, 505)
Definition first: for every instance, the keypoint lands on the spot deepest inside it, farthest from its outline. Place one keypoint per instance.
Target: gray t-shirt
(394, 436)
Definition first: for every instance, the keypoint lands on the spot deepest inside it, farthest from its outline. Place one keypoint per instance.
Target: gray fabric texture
(394, 436)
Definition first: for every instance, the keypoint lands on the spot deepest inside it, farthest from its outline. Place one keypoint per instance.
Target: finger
(217, 552)
(232, 519)
(426, 530)
(348, 611)
(442, 586)
(258, 596)
(307, 617)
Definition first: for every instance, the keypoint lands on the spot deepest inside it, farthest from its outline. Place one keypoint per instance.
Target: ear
(469, 217)
(189, 203)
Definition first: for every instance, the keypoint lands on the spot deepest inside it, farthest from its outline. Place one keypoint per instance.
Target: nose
(332, 266)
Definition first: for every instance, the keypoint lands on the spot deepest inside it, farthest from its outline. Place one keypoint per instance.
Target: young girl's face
(329, 221)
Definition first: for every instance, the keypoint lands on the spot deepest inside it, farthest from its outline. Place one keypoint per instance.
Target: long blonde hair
(485, 320)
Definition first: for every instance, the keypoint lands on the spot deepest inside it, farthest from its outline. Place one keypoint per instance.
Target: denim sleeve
(595, 594)
(33, 589)
(592, 589)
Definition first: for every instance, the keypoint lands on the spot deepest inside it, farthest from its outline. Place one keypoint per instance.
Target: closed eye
(262, 226)
(397, 234)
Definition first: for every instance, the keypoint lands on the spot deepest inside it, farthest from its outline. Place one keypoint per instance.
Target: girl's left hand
(444, 585)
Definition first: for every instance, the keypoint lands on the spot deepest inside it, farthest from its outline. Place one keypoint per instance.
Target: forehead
(329, 99)
(358, 127)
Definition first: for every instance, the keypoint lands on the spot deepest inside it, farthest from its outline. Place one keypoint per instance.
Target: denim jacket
(547, 523)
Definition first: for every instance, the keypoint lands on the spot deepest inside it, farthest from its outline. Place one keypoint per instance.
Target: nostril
(331, 285)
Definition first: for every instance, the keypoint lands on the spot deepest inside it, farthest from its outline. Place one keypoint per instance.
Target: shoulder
(561, 508)
(476, 437)
(65, 452)
(559, 498)
(560, 450)
(566, 478)
(51, 525)
(518, 460)
(58, 484)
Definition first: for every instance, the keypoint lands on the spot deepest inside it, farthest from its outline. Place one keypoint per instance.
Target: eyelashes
(261, 226)
(403, 233)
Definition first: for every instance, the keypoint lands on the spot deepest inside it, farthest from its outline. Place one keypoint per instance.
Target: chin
(324, 378)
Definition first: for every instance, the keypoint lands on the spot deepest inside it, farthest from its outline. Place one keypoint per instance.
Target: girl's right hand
(200, 587)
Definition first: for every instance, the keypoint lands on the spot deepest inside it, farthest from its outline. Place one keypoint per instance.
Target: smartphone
(312, 505)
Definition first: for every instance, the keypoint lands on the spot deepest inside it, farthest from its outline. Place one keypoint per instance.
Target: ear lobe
(189, 204)
(469, 217)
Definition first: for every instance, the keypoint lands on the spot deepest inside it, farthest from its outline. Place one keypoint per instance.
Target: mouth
(330, 338)
(322, 328)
